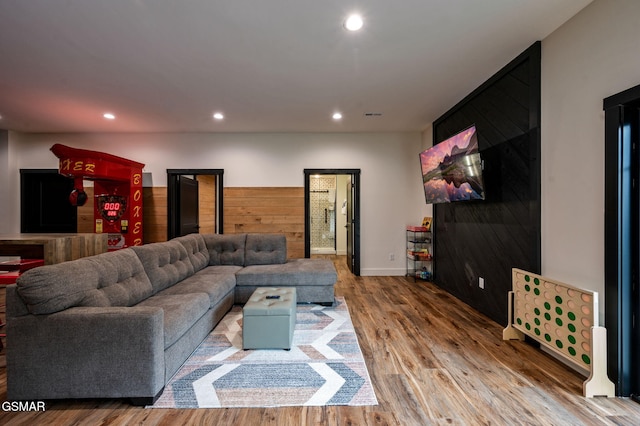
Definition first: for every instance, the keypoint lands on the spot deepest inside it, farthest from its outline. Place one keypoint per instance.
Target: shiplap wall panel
(259, 210)
(154, 214)
(266, 210)
(85, 213)
(207, 203)
(486, 238)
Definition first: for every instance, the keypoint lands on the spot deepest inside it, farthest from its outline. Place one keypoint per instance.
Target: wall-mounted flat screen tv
(452, 169)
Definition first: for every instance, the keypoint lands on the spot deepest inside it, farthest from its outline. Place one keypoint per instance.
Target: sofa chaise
(120, 324)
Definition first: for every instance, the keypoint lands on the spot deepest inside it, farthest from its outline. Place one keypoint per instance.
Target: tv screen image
(452, 169)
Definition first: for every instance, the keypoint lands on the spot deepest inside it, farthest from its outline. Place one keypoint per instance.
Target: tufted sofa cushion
(265, 249)
(196, 249)
(225, 249)
(109, 279)
(165, 263)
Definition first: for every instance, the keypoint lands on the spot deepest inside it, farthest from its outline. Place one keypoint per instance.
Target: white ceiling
(269, 66)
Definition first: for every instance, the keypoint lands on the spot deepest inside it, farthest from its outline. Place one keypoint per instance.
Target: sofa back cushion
(225, 249)
(165, 263)
(196, 250)
(265, 249)
(109, 279)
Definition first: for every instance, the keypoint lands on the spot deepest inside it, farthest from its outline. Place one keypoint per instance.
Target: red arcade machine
(117, 192)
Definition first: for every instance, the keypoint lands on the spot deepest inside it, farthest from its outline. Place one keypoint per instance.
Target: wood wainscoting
(85, 213)
(267, 210)
(154, 214)
(246, 209)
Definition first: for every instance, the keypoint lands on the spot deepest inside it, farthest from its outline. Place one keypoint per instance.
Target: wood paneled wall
(264, 210)
(207, 203)
(85, 213)
(261, 210)
(154, 214)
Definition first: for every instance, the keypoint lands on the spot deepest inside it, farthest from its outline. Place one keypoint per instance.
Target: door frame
(172, 197)
(355, 179)
(621, 242)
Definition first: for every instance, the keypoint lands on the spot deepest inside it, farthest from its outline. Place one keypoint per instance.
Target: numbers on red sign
(111, 207)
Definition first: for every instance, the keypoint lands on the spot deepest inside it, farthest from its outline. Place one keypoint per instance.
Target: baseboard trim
(382, 272)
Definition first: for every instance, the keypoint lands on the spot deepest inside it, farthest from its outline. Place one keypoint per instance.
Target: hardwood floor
(432, 360)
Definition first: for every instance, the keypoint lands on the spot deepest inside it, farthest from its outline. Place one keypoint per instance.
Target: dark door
(44, 202)
(349, 225)
(188, 206)
(175, 204)
(622, 240)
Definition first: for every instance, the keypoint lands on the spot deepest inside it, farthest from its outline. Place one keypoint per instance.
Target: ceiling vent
(373, 114)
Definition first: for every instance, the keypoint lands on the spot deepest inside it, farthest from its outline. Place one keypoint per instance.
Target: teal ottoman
(268, 319)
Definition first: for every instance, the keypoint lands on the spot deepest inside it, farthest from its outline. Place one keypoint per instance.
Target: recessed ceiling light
(218, 116)
(109, 116)
(353, 22)
(337, 116)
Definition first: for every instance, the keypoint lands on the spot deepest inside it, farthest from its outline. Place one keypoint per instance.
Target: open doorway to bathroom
(332, 214)
(324, 217)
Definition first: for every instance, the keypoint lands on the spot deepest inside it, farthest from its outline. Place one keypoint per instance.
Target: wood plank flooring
(432, 360)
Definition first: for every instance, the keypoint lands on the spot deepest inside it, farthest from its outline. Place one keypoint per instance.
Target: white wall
(5, 187)
(591, 57)
(391, 194)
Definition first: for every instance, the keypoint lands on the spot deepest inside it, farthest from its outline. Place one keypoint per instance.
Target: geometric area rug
(324, 366)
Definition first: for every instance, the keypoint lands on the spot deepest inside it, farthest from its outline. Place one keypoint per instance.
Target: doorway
(324, 217)
(194, 201)
(332, 214)
(622, 240)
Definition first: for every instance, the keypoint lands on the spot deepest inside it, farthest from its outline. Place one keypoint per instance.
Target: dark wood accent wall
(487, 238)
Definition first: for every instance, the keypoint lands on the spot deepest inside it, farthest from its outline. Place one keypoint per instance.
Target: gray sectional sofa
(120, 324)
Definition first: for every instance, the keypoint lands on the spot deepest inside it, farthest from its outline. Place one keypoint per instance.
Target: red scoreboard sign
(117, 191)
